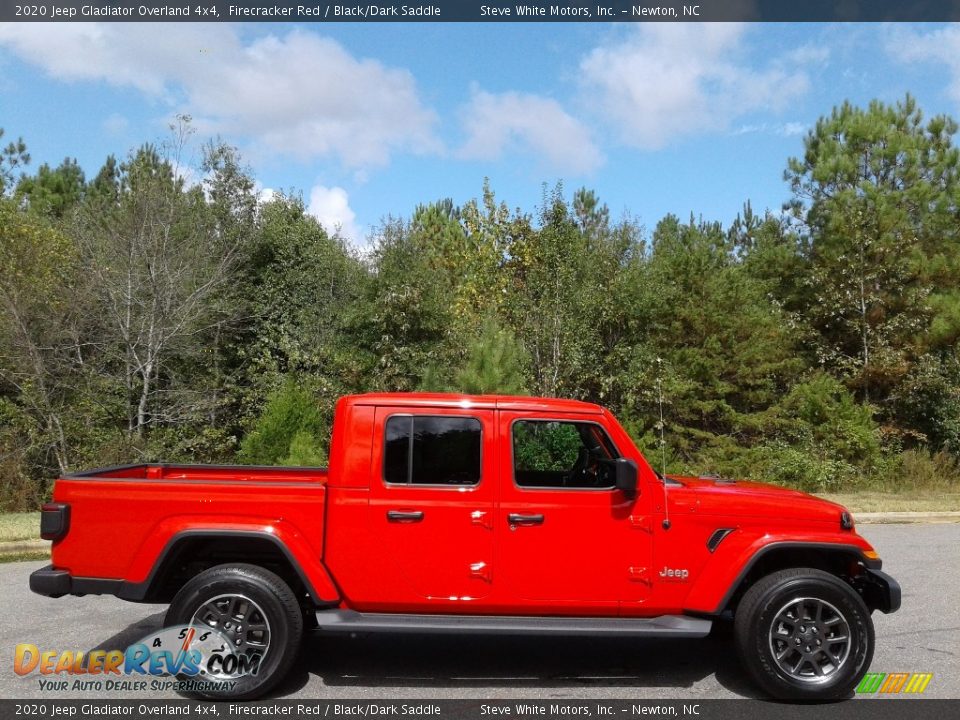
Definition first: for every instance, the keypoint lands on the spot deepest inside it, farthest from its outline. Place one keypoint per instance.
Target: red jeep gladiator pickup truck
(461, 514)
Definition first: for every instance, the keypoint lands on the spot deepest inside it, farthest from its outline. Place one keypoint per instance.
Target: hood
(719, 496)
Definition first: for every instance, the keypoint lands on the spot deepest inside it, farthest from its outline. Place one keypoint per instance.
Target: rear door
(432, 495)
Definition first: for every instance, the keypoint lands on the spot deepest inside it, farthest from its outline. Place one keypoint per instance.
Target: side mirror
(625, 477)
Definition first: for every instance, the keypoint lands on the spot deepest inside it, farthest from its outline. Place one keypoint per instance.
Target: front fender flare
(711, 594)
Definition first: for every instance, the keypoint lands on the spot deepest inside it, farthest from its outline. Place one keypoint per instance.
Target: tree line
(144, 317)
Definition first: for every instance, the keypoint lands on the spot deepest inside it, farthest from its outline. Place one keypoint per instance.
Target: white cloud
(266, 195)
(791, 129)
(146, 56)
(787, 129)
(497, 124)
(299, 94)
(818, 55)
(667, 80)
(115, 124)
(331, 206)
(936, 46)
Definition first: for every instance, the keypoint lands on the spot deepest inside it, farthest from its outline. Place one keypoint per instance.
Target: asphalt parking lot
(923, 637)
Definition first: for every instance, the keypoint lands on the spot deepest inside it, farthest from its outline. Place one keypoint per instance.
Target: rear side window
(432, 450)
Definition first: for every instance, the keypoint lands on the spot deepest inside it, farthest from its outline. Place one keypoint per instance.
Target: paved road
(923, 637)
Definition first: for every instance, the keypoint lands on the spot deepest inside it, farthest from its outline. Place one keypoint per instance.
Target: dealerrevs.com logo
(200, 658)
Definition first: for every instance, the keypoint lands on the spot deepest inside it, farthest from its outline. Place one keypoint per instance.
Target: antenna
(663, 448)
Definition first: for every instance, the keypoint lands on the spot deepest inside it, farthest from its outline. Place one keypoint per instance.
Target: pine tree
(495, 363)
(53, 191)
(876, 195)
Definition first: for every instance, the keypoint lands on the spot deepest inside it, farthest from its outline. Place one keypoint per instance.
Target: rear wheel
(804, 634)
(257, 612)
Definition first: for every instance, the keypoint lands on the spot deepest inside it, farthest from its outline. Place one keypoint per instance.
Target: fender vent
(717, 537)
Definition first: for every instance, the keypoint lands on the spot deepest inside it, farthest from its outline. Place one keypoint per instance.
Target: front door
(569, 537)
(432, 495)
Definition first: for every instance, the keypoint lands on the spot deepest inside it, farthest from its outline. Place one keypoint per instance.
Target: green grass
(19, 526)
(17, 532)
(874, 501)
(24, 556)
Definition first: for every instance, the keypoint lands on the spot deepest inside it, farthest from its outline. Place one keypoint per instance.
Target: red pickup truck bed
(114, 545)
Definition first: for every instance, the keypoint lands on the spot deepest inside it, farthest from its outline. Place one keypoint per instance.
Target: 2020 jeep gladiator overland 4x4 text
(451, 513)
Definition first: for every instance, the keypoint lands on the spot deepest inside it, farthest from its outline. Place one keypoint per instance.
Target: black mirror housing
(625, 477)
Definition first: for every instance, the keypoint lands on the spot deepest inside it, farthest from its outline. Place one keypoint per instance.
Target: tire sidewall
(284, 638)
(847, 602)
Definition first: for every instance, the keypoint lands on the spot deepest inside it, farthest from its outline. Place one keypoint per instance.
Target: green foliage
(12, 156)
(18, 447)
(289, 430)
(143, 319)
(403, 322)
(154, 264)
(52, 192)
(706, 330)
(877, 194)
(823, 414)
(920, 470)
(545, 446)
(41, 370)
(796, 467)
(105, 187)
(295, 280)
(305, 451)
(555, 297)
(928, 402)
(495, 363)
(822, 438)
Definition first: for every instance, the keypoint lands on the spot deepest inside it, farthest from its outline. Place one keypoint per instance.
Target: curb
(878, 518)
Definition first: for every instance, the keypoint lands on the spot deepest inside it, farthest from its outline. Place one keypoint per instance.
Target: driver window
(558, 454)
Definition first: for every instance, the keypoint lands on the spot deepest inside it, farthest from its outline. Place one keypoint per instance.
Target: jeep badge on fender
(678, 574)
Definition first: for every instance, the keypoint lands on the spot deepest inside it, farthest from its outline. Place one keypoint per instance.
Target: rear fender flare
(311, 571)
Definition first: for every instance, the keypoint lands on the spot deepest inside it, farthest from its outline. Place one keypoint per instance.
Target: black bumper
(51, 582)
(56, 583)
(881, 591)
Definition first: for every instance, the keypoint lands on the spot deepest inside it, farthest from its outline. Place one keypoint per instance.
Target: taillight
(54, 520)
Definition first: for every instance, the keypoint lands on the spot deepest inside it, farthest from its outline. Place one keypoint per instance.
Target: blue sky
(368, 120)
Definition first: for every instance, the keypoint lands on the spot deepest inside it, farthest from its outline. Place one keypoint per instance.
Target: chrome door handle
(405, 516)
(522, 519)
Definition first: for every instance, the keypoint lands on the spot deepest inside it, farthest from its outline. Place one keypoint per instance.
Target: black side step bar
(348, 621)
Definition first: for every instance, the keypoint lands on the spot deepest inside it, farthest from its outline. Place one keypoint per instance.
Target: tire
(818, 609)
(258, 596)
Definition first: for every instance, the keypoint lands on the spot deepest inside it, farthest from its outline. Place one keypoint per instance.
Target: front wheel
(257, 615)
(804, 634)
